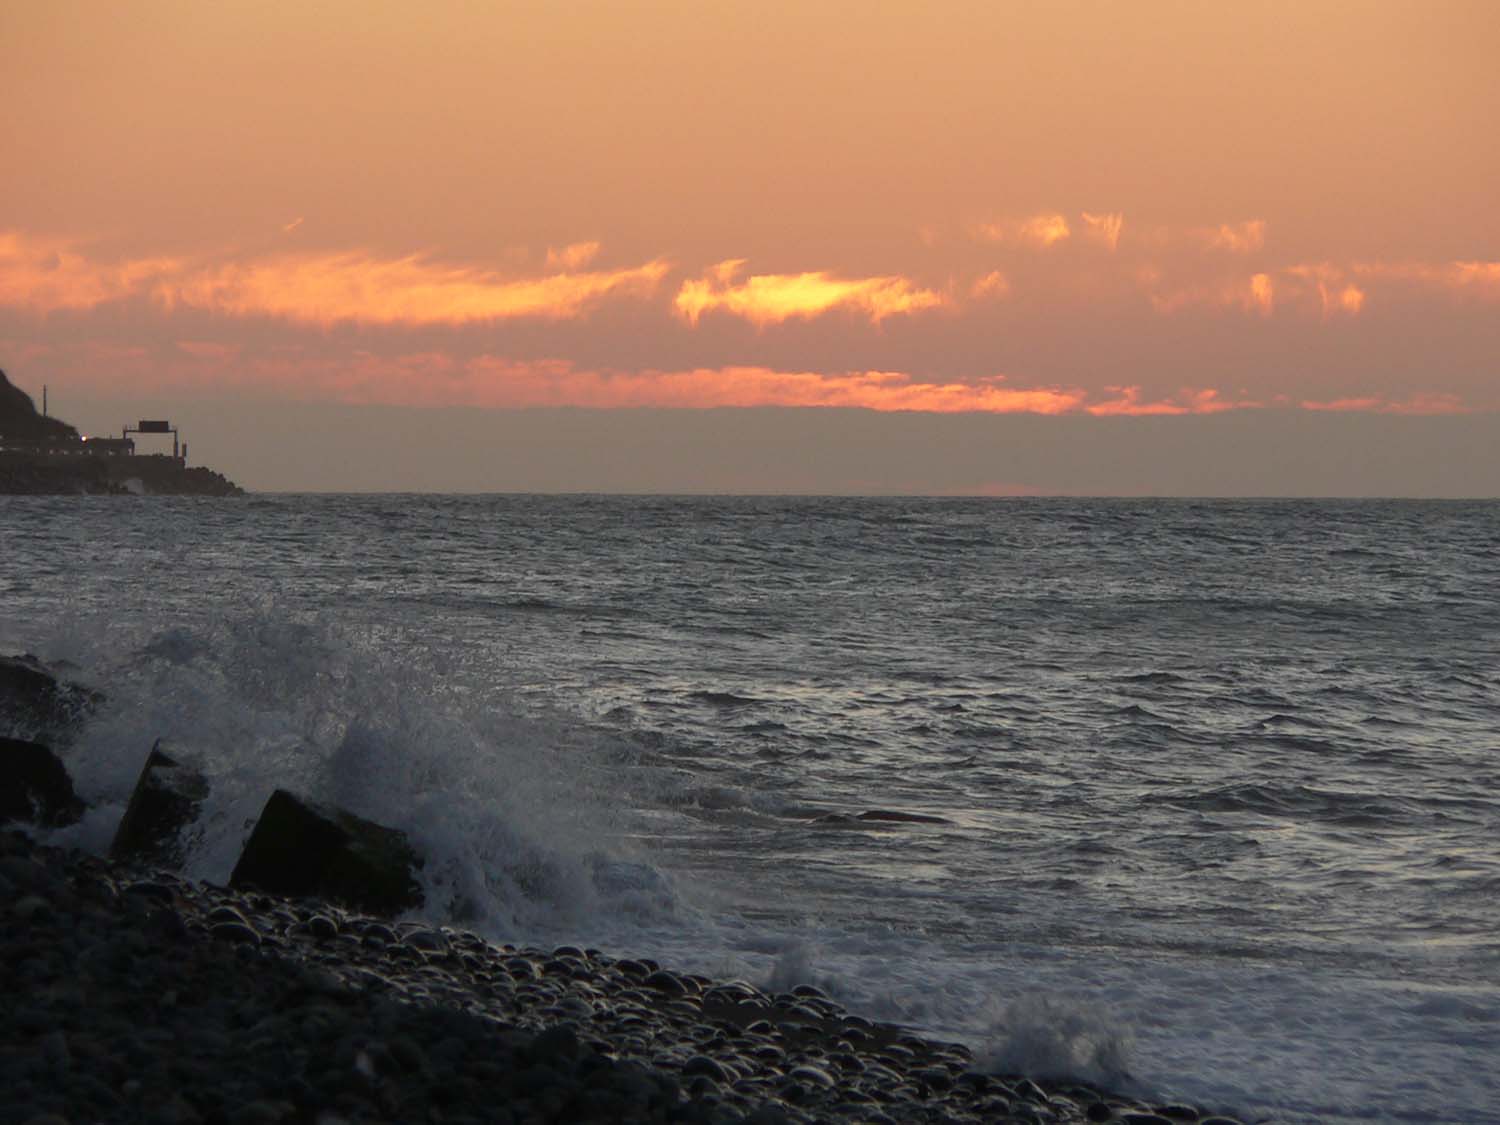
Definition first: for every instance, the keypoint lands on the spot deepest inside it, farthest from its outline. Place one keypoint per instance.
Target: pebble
(254, 1010)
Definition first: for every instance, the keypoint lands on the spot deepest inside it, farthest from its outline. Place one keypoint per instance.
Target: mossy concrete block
(302, 848)
(35, 787)
(166, 800)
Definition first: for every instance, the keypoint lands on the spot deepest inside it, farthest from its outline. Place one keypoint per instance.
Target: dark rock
(34, 786)
(33, 701)
(166, 800)
(301, 848)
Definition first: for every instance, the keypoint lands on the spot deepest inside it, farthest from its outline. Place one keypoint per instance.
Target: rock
(34, 786)
(34, 702)
(301, 848)
(166, 800)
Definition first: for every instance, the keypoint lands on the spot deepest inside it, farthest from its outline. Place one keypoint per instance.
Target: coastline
(143, 996)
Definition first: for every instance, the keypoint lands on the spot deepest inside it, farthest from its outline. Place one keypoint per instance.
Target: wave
(514, 809)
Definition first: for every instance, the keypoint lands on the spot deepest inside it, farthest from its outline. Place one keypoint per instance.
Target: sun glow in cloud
(773, 298)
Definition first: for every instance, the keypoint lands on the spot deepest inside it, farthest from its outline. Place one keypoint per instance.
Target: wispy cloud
(1235, 238)
(45, 275)
(773, 298)
(1414, 404)
(1188, 401)
(1042, 230)
(992, 285)
(360, 288)
(574, 256)
(1104, 228)
(1463, 278)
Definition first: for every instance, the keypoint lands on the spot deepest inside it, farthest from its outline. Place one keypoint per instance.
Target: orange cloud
(773, 298)
(1256, 293)
(48, 275)
(574, 256)
(1188, 401)
(1106, 228)
(1262, 293)
(329, 288)
(1416, 404)
(502, 382)
(1044, 230)
(1335, 294)
(993, 284)
(1471, 278)
(1039, 230)
(1236, 238)
(44, 275)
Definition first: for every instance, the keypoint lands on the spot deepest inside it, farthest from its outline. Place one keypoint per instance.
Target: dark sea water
(1212, 785)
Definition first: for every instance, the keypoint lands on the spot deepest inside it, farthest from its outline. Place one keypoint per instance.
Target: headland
(44, 456)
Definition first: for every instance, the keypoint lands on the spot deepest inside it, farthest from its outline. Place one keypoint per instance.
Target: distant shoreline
(83, 475)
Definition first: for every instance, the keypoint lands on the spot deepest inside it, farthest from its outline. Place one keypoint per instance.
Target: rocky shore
(134, 995)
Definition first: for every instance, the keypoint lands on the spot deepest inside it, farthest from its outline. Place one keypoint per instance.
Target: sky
(1039, 247)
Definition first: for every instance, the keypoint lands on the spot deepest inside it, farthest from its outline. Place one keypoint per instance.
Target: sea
(1196, 799)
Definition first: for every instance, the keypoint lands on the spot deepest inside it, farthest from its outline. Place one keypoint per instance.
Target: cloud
(1105, 228)
(993, 284)
(1189, 401)
(1336, 295)
(1262, 293)
(574, 256)
(773, 298)
(330, 288)
(1426, 403)
(48, 275)
(1462, 278)
(1039, 230)
(1236, 238)
(1044, 230)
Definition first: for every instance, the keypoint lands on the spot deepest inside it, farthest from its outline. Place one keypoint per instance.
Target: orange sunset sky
(1042, 247)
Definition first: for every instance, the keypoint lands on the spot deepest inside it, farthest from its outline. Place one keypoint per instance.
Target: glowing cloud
(43, 275)
(329, 288)
(1189, 401)
(993, 284)
(1263, 293)
(1471, 278)
(1044, 230)
(1416, 404)
(773, 298)
(1236, 238)
(1039, 230)
(574, 256)
(48, 275)
(1105, 228)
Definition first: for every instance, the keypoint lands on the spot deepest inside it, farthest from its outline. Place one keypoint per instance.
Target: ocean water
(1208, 789)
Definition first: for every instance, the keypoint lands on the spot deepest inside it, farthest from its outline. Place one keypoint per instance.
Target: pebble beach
(138, 996)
